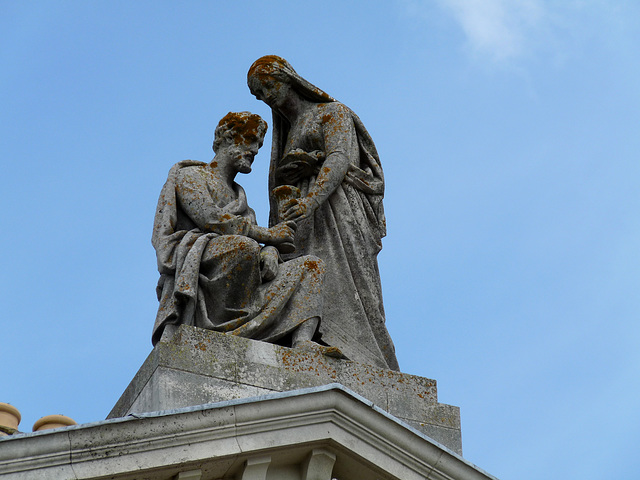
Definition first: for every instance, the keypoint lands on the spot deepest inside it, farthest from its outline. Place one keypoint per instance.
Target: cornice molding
(230, 432)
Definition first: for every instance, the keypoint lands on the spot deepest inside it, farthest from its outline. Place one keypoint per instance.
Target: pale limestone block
(198, 366)
(256, 468)
(218, 439)
(169, 389)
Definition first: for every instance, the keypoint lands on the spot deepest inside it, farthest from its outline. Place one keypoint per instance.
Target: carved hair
(239, 127)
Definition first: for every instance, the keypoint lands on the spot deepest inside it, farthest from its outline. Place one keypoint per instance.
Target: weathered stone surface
(197, 366)
(314, 434)
(169, 389)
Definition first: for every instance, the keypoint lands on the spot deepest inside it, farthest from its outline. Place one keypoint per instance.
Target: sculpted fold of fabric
(212, 279)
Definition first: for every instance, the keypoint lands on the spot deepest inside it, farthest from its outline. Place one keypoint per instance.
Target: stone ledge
(221, 439)
(196, 366)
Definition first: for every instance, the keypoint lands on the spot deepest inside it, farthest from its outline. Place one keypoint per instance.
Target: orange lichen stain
(313, 266)
(267, 65)
(284, 192)
(201, 346)
(243, 127)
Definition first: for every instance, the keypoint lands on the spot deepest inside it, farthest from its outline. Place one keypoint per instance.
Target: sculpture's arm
(340, 141)
(199, 203)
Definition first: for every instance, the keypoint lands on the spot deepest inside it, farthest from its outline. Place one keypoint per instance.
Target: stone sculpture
(218, 269)
(323, 155)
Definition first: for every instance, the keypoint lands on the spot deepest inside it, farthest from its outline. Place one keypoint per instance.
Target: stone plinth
(196, 367)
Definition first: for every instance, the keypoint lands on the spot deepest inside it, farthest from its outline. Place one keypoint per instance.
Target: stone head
(238, 136)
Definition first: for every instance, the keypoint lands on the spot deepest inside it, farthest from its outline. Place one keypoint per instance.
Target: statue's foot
(308, 345)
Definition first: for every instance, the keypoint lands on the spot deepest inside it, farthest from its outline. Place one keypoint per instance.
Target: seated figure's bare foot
(311, 346)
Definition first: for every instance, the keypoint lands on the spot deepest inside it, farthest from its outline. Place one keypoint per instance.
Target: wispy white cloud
(499, 28)
(504, 30)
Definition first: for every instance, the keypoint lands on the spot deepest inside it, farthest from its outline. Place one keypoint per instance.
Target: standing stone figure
(214, 272)
(322, 150)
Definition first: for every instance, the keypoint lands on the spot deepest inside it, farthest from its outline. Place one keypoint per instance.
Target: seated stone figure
(218, 269)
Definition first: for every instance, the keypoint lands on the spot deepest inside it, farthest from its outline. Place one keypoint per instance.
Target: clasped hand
(298, 208)
(283, 232)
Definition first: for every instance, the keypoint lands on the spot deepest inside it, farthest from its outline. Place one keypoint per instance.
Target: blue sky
(508, 132)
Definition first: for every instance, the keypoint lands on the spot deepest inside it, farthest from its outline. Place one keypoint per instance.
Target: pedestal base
(196, 367)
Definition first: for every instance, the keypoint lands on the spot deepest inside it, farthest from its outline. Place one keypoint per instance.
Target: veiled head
(271, 72)
(271, 66)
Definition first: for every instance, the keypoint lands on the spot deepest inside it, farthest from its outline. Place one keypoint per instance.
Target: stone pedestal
(197, 367)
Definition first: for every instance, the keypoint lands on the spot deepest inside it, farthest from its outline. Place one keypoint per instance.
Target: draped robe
(346, 230)
(210, 274)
